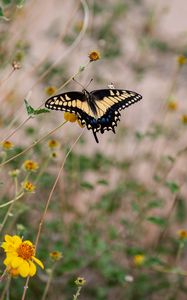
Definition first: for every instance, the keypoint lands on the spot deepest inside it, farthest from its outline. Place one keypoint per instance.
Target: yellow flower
(70, 117)
(181, 59)
(94, 55)
(55, 255)
(50, 90)
(172, 105)
(182, 234)
(184, 119)
(80, 281)
(28, 186)
(53, 144)
(7, 145)
(54, 155)
(139, 259)
(30, 166)
(20, 256)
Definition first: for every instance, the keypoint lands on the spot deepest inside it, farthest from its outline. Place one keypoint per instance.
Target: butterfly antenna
(78, 83)
(95, 136)
(89, 82)
(84, 88)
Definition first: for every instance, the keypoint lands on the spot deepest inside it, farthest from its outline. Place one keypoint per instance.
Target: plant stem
(48, 282)
(33, 144)
(47, 205)
(6, 289)
(75, 297)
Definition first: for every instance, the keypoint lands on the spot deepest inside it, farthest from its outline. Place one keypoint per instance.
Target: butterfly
(98, 110)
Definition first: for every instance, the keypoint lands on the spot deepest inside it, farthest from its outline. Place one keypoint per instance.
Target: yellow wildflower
(30, 165)
(184, 119)
(139, 259)
(28, 186)
(7, 145)
(181, 59)
(94, 55)
(172, 105)
(50, 90)
(182, 233)
(54, 155)
(53, 144)
(20, 256)
(70, 117)
(80, 281)
(55, 255)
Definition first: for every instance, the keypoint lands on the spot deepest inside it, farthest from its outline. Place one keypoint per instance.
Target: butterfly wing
(109, 102)
(70, 102)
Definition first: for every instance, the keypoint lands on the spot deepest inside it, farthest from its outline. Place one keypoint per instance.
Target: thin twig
(33, 144)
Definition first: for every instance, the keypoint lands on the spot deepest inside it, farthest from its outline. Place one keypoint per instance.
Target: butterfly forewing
(113, 99)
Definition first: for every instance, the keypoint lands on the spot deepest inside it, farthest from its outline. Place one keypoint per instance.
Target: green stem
(48, 282)
(75, 297)
(44, 165)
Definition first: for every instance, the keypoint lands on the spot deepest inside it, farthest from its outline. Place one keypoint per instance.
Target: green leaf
(139, 136)
(180, 212)
(7, 2)
(155, 203)
(87, 185)
(157, 220)
(29, 108)
(32, 112)
(20, 3)
(173, 186)
(135, 207)
(102, 182)
(81, 68)
(41, 111)
(2, 15)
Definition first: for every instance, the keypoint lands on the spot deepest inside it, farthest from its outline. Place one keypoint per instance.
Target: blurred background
(120, 205)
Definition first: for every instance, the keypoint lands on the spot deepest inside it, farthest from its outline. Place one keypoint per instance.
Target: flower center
(26, 251)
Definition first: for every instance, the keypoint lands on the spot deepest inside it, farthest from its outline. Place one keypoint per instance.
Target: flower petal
(17, 240)
(36, 260)
(8, 238)
(24, 269)
(16, 262)
(32, 271)
(7, 261)
(28, 243)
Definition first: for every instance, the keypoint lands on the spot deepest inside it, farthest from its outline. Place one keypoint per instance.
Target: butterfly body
(98, 110)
